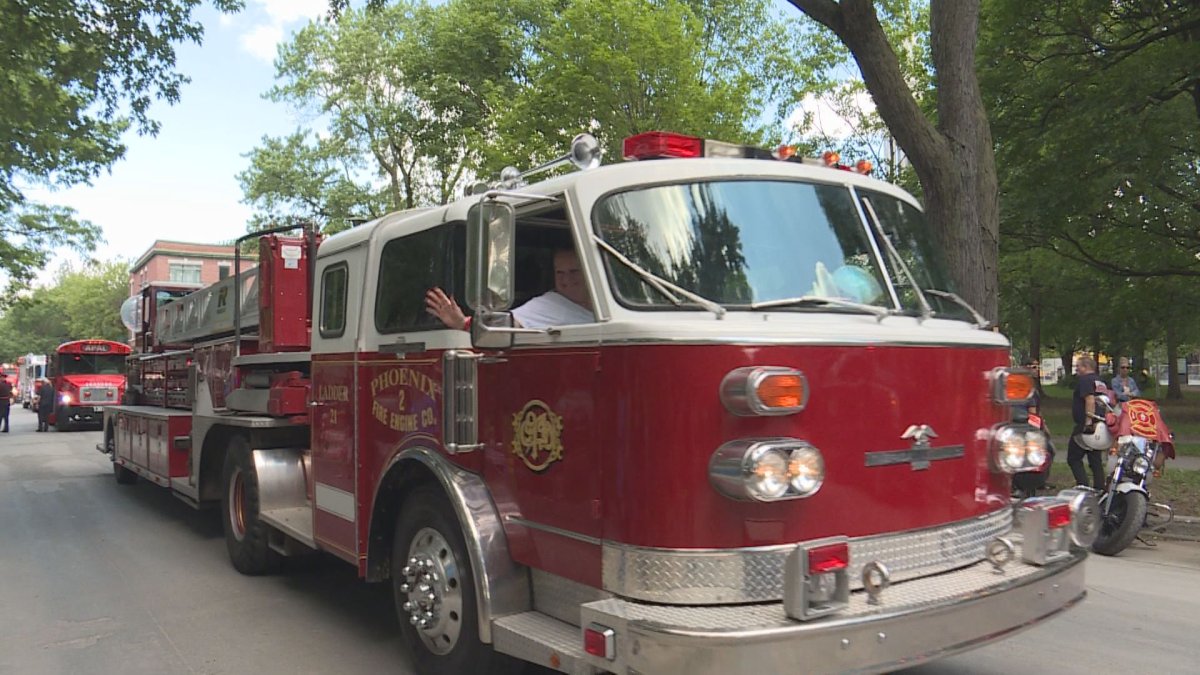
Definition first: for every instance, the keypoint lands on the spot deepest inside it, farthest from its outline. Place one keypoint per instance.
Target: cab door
(331, 479)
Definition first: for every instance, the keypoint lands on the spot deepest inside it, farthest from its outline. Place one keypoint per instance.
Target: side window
(409, 266)
(333, 300)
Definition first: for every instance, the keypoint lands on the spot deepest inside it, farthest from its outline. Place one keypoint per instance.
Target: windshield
(742, 242)
(92, 364)
(911, 236)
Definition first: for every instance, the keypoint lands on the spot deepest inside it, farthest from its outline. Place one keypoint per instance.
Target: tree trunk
(954, 160)
(1174, 390)
(1035, 332)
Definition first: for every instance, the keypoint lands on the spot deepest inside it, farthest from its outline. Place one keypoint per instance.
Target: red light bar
(828, 558)
(655, 144)
(1058, 516)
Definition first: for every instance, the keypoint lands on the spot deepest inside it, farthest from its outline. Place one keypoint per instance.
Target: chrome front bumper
(915, 621)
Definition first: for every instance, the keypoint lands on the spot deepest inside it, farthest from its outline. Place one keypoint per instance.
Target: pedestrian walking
(6, 393)
(45, 404)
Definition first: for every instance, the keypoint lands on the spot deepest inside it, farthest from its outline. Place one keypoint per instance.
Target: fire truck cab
(777, 441)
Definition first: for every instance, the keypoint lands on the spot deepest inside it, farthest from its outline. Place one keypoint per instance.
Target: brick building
(182, 263)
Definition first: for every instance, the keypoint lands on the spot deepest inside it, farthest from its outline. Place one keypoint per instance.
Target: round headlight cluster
(1018, 447)
(767, 469)
(1140, 465)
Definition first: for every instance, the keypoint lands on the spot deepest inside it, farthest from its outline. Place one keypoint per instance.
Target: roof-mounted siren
(584, 154)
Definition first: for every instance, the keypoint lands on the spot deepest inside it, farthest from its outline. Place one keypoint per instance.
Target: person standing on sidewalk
(1083, 406)
(6, 392)
(1123, 384)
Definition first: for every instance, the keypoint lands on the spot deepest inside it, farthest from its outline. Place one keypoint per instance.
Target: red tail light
(831, 558)
(1059, 516)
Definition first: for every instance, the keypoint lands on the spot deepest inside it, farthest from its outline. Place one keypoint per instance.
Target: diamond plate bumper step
(533, 636)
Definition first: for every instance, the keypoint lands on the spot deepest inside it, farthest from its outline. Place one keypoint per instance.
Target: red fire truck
(88, 376)
(780, 442)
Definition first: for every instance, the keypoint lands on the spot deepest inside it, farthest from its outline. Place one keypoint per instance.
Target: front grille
(97, 395)
(708, 577)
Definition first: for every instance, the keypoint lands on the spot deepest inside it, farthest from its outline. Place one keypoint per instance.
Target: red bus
(88, 375)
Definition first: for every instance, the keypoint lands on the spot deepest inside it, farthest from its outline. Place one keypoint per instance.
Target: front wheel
(1121, 526)
(433, 585)
(246, 536)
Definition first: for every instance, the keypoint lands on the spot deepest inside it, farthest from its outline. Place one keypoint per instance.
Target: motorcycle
(1142, 447)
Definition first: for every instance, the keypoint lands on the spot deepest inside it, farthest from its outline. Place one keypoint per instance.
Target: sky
(181, 184)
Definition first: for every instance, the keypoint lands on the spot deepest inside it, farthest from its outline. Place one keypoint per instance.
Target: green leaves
(429, 97)
(82, 303)
(75, 76)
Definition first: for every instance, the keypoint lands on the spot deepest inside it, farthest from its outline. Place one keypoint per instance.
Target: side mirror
(483, 337)
(491, 235)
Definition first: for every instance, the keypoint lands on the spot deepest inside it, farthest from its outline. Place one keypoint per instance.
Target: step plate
(540, 639)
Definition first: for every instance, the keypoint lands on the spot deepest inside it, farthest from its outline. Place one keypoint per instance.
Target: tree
(434, 96)
(82, 303)
(293, 180)
(952, 155)
(78, 74)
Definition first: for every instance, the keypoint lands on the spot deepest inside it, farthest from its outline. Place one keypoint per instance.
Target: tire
(1121, 526)
(124, 476)
(428, 531)
(246, 537)
(60, 421)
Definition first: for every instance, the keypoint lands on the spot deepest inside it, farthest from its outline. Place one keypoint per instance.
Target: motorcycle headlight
(1140, 465)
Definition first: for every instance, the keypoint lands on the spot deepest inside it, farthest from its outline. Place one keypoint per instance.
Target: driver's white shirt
(551, 309)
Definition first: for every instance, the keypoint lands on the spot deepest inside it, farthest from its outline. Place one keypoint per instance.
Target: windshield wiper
(880, 312)
(926, 310)
(661, 285)
(980, 321)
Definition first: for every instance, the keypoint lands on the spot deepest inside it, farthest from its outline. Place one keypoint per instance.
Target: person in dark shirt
(1083, 405)
(46, 396)
(6, 392)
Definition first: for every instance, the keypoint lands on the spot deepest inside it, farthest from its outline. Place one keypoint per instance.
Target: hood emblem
(920, 455)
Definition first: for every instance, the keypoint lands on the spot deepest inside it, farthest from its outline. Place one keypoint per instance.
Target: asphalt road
(101, 578)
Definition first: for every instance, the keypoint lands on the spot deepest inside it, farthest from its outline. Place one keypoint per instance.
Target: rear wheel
(1121, 526)
(433, 584)
(246, 537)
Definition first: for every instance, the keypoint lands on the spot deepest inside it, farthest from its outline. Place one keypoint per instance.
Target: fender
(1126, 487)
(501, 586)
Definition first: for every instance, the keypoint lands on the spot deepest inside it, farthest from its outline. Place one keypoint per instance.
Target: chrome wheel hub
(434, 591)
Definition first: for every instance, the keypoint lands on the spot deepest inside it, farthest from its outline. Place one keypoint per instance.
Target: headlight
(1018, 447)
(767, 469)
(1140, 465)
(806, 470)
(65, 398)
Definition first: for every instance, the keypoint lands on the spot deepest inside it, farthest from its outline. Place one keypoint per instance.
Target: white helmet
(1099, 439)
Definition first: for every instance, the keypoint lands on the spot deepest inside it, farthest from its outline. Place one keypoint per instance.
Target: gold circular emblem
(537, 435)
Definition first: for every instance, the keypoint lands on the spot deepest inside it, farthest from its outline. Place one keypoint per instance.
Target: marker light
(1012, 386)
(764, 390)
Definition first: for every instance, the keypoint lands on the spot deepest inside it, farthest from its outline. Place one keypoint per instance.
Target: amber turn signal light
(1012, 386)
(764, 390)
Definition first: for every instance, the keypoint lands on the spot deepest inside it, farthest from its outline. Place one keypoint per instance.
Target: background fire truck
(12, 374)
(88, 376)
(31, 367)
(781, 443)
